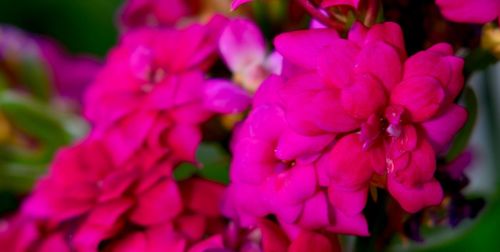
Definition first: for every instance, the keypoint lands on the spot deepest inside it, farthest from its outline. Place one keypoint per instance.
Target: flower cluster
(115, 189)
(336, 115)
(345, 115)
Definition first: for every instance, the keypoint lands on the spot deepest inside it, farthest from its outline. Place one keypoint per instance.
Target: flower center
(379, 127)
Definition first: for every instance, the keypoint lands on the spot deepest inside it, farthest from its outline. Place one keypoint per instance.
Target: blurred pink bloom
(139, 13)
(153, 89)
(243, 48)
(86, 187)
(135, 207)
(69, 75)
(22, 233)
(72, 75)
(470, 11)
(197, 227)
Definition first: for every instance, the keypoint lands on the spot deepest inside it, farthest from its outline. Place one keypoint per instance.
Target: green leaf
(34, 75)
(19, 178)
(50, 127)
(3, 82)
(462, 139)
(477, 60)
(213, 164)
(184, 171)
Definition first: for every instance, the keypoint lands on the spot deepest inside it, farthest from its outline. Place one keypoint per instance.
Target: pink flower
(86, 188)
(22, 233)
(153, 89)
(344, 115)
(132, 207)
(137, 13)
(470, 11)
(397, 107)
(273, 171)
(243, 48)
(71, 75)
(197, 227)
(67, 74)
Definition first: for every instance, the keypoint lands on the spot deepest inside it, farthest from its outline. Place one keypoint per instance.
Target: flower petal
(242, 45)
(383, 61)
(348, 164)
(312, 109)
(441, 129)
(336, 62)
(158, 204)
(422, 97)
(311, 241)
(365, 97)
(413, 199)
(223, 96)
(304, 47)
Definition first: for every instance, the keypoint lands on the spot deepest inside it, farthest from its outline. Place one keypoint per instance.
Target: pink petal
(293, 145)
(304, 47)
(365, 97)
(136, 241)
(348, 164)
(439, 63)
(214, 242)
(183, 141)
(413, 199)
(336, 62)
(265, 122)
(345, 224)
(441, 129)
(273, 238)
(383, 61)
(330, 3)
(203, 196)
(310, 241)
(129, 134)
(268, 92)
(244, 203)
(350, 202)
(310, 106)
(55, 242)
(160, 203)
(225, 97)
(290, 187)
(421, 165)
(316, 212)
(390, 33)
(242, 45)
(470, 11)
(358, 33)
(253, 161)
(192, 226)
(164, 238)
(422, 97)
(103, 222)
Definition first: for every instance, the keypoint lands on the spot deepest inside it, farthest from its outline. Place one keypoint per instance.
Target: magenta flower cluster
(332, 119)
(345, 115)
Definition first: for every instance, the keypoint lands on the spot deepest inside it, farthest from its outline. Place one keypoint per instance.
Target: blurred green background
(81, 25)
(89, 27)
